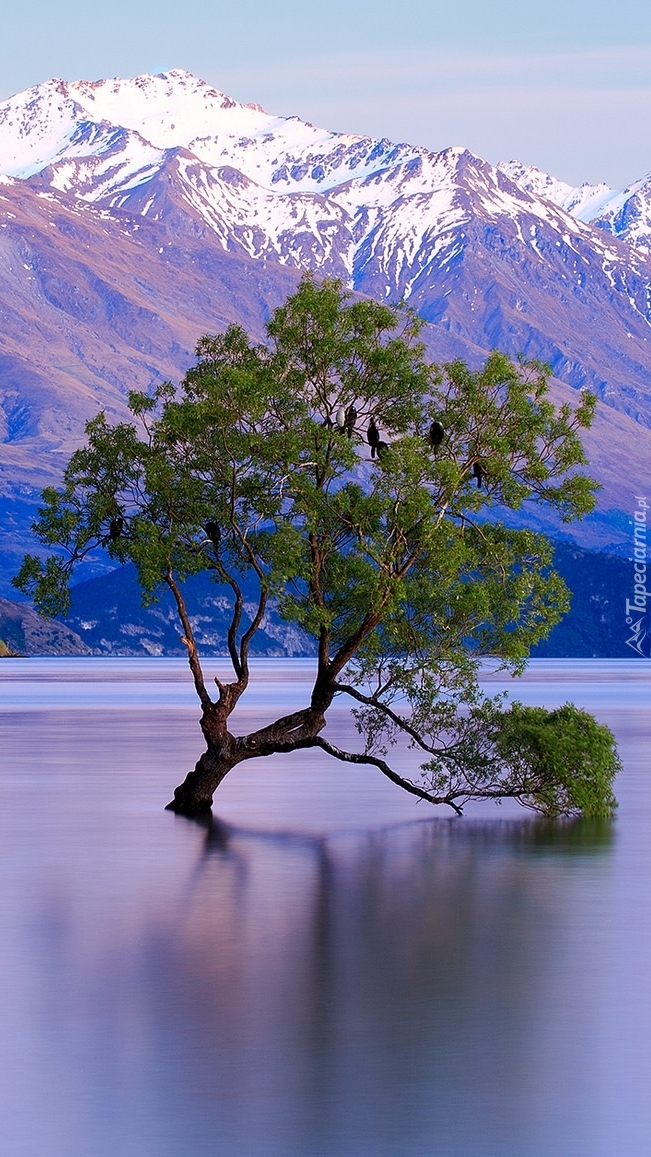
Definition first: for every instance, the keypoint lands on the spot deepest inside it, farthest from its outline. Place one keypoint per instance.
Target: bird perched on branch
(373, 437)
(340, 418)
(350, 419)
(213, 530)
(116, 526)
(435, 435)
(479, 473)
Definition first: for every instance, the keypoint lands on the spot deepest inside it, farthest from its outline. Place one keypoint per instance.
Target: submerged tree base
(194, 796)
(189, 808)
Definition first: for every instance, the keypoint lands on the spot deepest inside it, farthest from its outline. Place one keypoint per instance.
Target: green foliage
(558, 762)
(399, 566)
(562, 761)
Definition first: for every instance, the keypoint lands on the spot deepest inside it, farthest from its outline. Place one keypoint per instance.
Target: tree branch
(350, 757)
(288, 733)
(349, 647)
(371, 701)
(189, 640)
(259, 614)
(235, 620)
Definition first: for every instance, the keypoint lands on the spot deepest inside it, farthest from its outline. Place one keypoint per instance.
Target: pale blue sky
(566, 87)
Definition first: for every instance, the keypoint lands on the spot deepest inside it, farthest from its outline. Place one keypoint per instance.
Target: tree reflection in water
(375, 991)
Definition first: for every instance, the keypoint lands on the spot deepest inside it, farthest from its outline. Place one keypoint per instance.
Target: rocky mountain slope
(23, 632)
(626, 214)
(107, 614)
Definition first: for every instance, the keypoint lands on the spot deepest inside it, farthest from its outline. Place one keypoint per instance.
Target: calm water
(333, 969)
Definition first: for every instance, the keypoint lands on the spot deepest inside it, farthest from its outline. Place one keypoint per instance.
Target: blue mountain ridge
(108, 615)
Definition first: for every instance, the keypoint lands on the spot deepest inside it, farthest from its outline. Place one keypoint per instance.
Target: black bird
(479, 473)
(213, 530)
(349, 421)
(435, 435)
(382, 448)
(116, 526)
(373, 437)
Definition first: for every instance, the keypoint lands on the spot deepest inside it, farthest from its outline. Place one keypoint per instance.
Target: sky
(566, 87)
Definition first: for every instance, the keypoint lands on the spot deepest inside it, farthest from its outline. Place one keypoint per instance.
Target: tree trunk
(224, 751)
(194, 796)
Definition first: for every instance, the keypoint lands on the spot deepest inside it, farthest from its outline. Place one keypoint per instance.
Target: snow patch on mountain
(177, 110)
(582, 201)
(626, 214)
(386, 216)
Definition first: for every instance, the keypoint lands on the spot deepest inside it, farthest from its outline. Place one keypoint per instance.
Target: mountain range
(136, 215)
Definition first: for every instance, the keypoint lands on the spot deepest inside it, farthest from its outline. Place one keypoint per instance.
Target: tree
(393, 556)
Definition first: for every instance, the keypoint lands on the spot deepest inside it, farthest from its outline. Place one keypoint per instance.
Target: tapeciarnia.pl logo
(636, 608)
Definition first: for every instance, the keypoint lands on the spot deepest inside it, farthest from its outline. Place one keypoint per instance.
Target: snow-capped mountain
(583, 201)
(136, 215)
(270, 186)
(626, 215)
(154, 115)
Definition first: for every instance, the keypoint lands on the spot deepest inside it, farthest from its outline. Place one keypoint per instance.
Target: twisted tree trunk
(193, 797)
(224, 751)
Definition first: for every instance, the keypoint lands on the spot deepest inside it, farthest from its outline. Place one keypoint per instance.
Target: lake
(330, 968)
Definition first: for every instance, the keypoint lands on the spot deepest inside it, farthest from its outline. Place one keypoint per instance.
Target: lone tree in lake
(391, 555)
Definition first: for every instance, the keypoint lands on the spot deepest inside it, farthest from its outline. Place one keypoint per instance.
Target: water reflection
(378, 993)
(314, 971)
